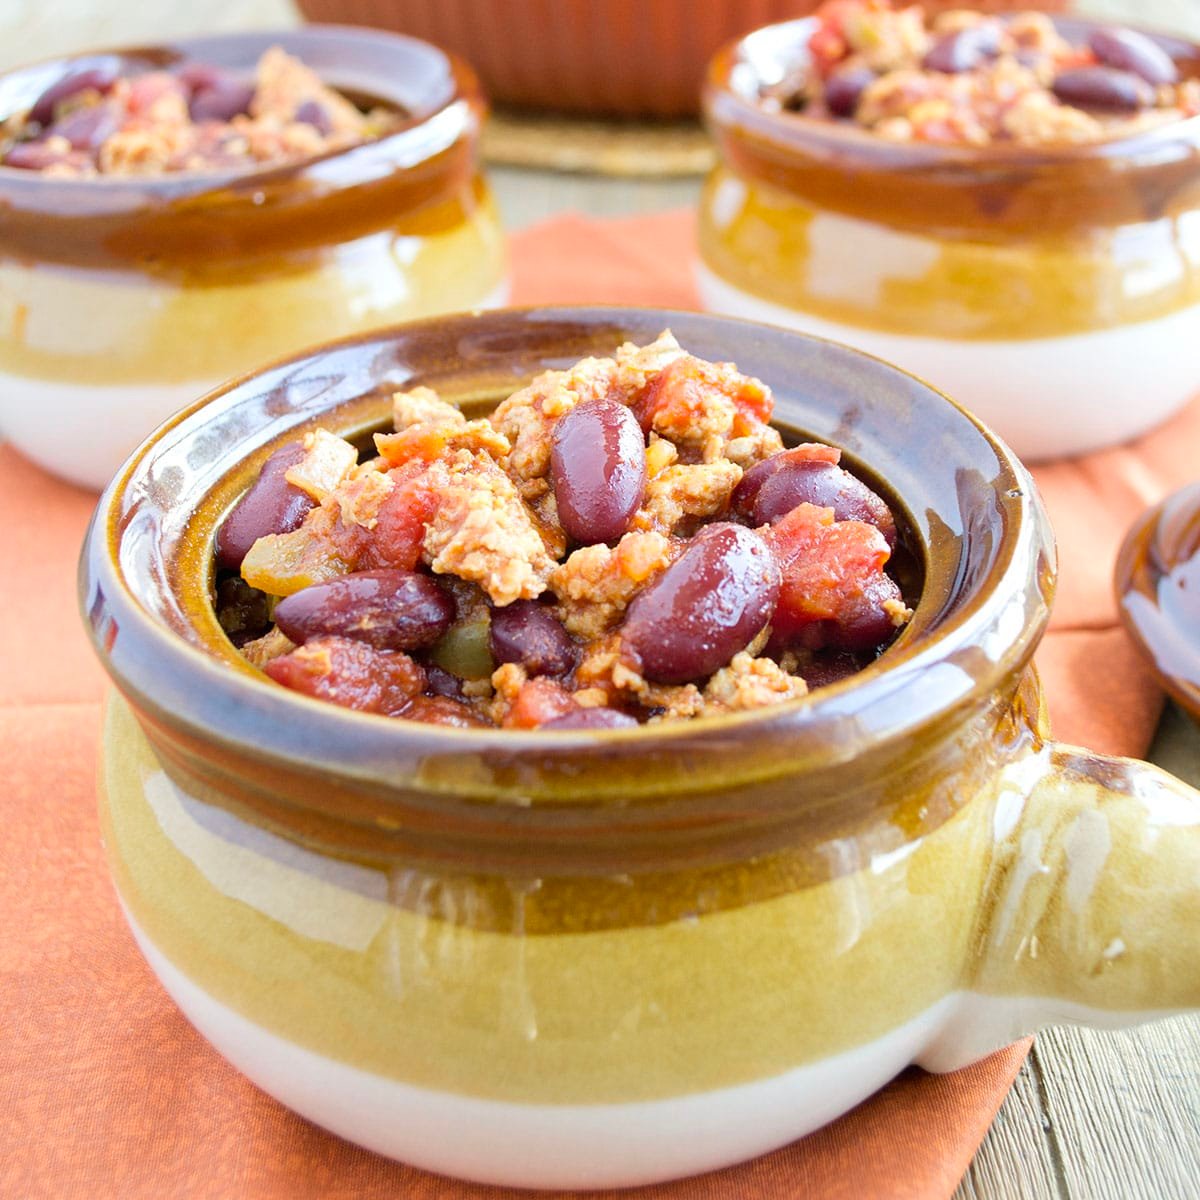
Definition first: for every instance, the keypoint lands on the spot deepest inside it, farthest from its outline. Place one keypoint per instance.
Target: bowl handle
(1091, 910)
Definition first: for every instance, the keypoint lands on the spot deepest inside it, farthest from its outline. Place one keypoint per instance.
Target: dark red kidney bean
(1128, 50)
(440, 682)
(95, 79)
(592, 718)
(1103, 88)
(87, 128)
(33, 156)
(315, 114)
(705, 607)
(965, 50)
(528, 633)
(865, 624)
(598, 464)
(844, 90)
(196, 77)
(825, 485)
(746, 493)
(388, 609)
(222, 101)
(272, 505)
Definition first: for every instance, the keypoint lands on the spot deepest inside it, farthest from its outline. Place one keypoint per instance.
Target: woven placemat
(653, 149)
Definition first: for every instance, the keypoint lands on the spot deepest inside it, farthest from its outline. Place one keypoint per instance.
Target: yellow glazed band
(95, 327)
(1040, 885)
(780, 247)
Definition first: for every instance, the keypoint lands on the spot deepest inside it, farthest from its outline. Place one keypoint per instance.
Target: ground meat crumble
(436, 579)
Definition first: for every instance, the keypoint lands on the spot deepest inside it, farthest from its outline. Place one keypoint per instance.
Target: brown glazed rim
(996, 188)
(194, 216)
(989, 564)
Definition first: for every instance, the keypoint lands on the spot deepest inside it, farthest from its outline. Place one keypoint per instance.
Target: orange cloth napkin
(106, 1091)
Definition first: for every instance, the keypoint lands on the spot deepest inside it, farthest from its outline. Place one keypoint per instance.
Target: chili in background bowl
(1053, 290)
(123, 298)
(596, 959)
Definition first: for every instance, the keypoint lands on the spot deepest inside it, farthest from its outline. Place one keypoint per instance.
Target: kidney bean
(528, 633)
(197, 76)
(844, 90)
(1104, 88)
(863, 623)
(709, 604)
(598, 464)
(272, 505)
(440, 682)
(1128, 50)
(964, 50)
(37, 156)
(773, 487)
(828, 487)
(746, 491)
(87, 128)
(221, 101)
(592, 718)
(95, 79)
(390, 610)
(313, 113)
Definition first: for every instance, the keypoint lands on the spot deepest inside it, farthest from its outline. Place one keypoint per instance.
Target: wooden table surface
(1093, 1116)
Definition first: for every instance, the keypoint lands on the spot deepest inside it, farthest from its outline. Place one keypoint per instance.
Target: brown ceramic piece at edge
(487, 922)
(1157, 581)
(621, 57)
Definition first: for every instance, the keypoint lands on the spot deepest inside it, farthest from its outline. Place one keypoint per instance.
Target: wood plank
(1019, 1157)
(1124, 1109)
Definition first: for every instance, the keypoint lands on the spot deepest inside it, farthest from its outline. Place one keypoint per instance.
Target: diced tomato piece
(827, 47)
(834, 587)
(399, 531)
(540, 699)
(444, 710)
(828, 44)
(351, 674)
(682, 391)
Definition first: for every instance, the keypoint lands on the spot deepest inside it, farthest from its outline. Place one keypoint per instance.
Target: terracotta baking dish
(626, 57)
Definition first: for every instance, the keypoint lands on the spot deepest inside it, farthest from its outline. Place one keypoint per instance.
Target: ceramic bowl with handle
(604, 958)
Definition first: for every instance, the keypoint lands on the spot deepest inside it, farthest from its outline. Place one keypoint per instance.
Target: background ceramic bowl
(600, 959)
(122, 299)
(626, 57)
(1053, 290)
